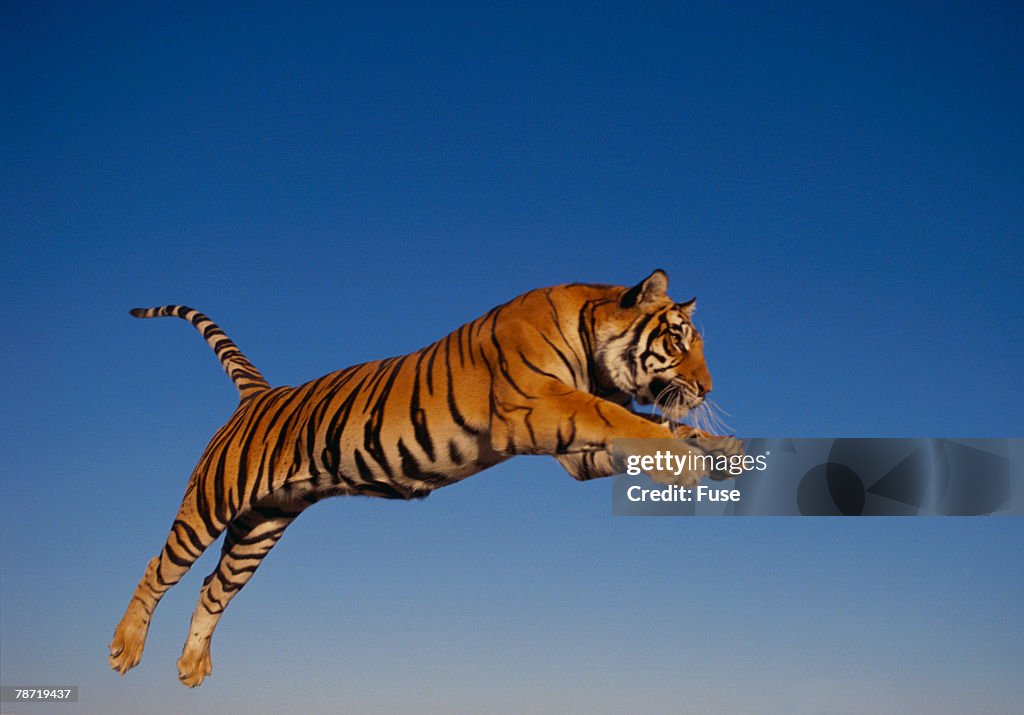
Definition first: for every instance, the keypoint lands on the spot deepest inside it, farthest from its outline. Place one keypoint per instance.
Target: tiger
(555, 371)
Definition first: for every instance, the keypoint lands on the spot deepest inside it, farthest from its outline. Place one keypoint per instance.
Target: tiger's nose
(703, 387)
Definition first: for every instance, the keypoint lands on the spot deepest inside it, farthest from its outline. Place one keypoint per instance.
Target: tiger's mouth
(648, 394)
(657, 387)
(673, 397)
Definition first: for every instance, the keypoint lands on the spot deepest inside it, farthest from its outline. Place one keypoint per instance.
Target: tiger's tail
(243, 373)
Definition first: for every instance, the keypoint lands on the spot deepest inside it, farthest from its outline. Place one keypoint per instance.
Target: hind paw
(126, 647)
(194, 666)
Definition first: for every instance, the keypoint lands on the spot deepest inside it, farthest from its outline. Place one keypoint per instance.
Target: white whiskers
(708, 417)
(670, 402)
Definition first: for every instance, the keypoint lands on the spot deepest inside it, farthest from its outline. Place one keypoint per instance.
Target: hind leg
(188, 539)
(249, 538)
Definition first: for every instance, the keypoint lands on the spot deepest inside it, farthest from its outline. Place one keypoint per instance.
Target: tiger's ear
(688, 307)
(652, 287)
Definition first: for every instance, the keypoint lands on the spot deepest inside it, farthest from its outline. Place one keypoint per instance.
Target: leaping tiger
(553, 372)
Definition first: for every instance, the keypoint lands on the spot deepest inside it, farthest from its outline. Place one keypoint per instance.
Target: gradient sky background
(840, 184)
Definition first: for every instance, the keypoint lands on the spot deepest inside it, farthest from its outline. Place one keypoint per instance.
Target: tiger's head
(648, 349)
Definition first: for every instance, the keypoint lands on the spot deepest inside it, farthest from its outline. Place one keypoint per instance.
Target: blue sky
(840, 186)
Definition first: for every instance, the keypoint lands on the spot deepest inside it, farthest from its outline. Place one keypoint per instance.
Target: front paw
(674, 462)
(686, 473)
(721, 444)
(682, 461)
(726, 450)
(683, 431)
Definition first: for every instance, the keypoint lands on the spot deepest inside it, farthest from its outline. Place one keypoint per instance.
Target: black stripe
(536, 369)
(174, 559)
(430, 363)
(193, 537)
(274, 533)
(453, 452)
(288, 397)
(373, 426)
(417, 415)
(556, 318)
(272, 512)
(564, 444)
(453, 408)
(563, 358)
(338, 422)
(503, 361)
(375, 380)
(458, 340)
(365, 473)
(411, 468)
